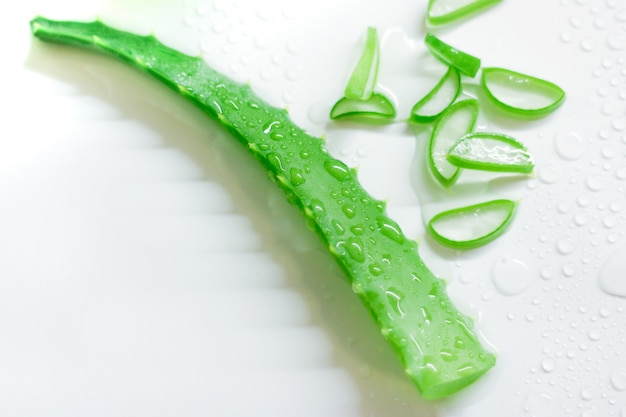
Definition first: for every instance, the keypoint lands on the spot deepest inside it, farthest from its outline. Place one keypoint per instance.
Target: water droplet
(547, 272)
(595, 183)
(616, 40)
(612, 279)
(618, 381)
(395, 298)
(297, 177)
(565, 245)
(339, 228)
(337, 169)
(349, 210)
(569, 145)
(549, 174)
(548, 365)
(586, 393)
(594, 335)
(587, 44)
(354, 247)
(510, 276)
(390, 229)
(581, 218)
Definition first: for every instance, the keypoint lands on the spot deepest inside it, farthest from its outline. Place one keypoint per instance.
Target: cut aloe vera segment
(472, 226)
(491, 152)
(441, 12)
(438, 99)
(520, 93)
(376, 107)
(363, 79)
(456, 122)
(464, 63)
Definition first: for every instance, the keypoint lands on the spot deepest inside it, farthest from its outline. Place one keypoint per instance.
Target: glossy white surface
(147, 268)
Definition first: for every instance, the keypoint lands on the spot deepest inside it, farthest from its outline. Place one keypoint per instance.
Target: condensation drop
(510, 276)
(548, 365)
(612, 279)
(569, 145)
(586, 393)
(595, 183)
(618, 381)
(616, 40)
(565, 246)
(549, 174)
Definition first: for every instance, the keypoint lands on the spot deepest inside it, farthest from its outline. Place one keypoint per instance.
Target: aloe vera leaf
(456, 121)
(376, 107)
(437, 100)
(436, 343)
(465, 63)
(521, 94)
(491, 152)
(441, 12)
(363, 79)
(472, 226)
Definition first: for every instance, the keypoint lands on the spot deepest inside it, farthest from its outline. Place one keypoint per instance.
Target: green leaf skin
(465, 63)
(514, 92)
(452, 15)
(363, 79)
(465, 216)
(435, 342)
(376, 107)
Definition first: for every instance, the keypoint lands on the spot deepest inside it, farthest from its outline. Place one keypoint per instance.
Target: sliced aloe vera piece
(520, 93)
(456, 122)
(491, 152)
(363, 79)
(439, 98)
(472, 226)
(441, 12)
(376, 107)
(464, 63)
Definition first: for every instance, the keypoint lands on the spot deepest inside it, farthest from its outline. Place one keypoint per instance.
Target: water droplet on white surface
(569, 145)
(586, 393)
(612, 278)
(565, 246)
(616, 40)
(510, 276)
(547, 272)
(548, 365)
(587, 44)
(618, 381)
(549, 174)
(595, 183)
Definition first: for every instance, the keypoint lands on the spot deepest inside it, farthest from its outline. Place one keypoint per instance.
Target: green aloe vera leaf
(361, 84)
(491, 152)
(457, 121)
(472, 226)
(438, 99)
(441, 12)
(466, 64)
(376, 107)
(521, 94)
(439, 350)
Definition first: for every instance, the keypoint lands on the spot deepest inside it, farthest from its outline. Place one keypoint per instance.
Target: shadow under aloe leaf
(309, 268)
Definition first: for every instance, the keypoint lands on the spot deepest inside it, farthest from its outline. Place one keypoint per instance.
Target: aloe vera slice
(363, 79)
(435, 342)
(376, 107)
(472, 226)
(520, 93)
(441, 12)
(456, 122)
(438, 99)
(360, 102)
(491, 152)
(464, 63)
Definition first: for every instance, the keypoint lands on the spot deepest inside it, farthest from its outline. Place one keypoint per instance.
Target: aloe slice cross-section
(491, 152)
(456, 122)
(439, 98)
(445, 11)
(472, 226)
(435, 342)
(377, 106)
(520, 93)
(363, 79)
(465, 63)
